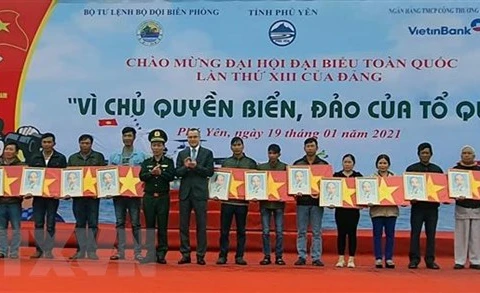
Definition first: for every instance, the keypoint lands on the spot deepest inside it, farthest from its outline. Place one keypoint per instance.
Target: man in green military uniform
(157, 172)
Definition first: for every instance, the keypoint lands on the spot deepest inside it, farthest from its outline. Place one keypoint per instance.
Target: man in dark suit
(194, 166)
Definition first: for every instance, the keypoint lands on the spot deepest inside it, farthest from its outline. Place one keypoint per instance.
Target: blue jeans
(312, 215)
(85, 211)
(380, 223)
(278, 216)
(44, 208)
(10, 212)
(122, 204)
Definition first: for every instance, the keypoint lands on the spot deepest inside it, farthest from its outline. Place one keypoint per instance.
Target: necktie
(194, 154)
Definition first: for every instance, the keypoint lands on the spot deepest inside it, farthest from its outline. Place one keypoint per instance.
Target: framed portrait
(219, 185)
(299, 180)
(367, 191)
(256, 186)
(331, 192)
(2, 188)
(32, 181)
(107, 182)
(72, 183)
(459, 184)
(415, 186)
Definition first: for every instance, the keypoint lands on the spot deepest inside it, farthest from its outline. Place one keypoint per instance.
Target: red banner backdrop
(20, 25)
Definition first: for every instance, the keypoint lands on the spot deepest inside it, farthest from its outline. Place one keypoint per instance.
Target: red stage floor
(61, 275)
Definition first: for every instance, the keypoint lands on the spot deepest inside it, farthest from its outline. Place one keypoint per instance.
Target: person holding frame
(235, 207)
(467, 219)
(384, 218)
(128, 155)
(45, 208)
(423, 212)
(347, 219)
(275, 209)
(86, 209)
(309, 212)
(10, 208)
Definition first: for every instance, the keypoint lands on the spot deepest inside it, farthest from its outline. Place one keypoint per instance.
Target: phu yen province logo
(282, 33)
(149, 33)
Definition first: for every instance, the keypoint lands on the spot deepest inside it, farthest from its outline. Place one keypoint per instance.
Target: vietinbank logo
(446, 30)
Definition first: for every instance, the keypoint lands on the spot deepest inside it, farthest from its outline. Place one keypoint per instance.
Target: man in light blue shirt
(127, 157)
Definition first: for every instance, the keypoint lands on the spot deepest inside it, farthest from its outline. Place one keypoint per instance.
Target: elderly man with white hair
(467, 219)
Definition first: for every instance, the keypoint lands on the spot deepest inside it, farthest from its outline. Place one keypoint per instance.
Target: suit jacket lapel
(200, 154)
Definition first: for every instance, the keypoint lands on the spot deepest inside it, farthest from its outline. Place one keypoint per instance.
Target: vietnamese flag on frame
(237, 183)
(12, 178)
(316, 174)
(277, 186)
(437, 188)
(475, 183)
(349, 196)
(391, 191)
(51, 182)
(130, 184)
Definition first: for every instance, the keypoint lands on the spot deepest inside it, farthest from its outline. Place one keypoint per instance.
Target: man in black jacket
(194, 166)
(42, 206)
(423, 212)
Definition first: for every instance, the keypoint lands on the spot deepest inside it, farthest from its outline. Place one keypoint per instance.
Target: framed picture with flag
(459, 184)
(415, 186)
(32, 181)
(1, 182)
(367, 191)
(219, 184)
(331, 192)
(107, 182)
(72, 183)
(256, 186)
(299, 180)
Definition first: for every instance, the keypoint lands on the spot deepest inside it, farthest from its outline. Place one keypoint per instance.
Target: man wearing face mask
(423, 212)
(128, 156)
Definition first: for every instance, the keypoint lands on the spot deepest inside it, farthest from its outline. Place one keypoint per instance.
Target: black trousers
(227, 212)
(347, 222)
(44, 212)
(156, 211)
(200, 209)
(418, 216)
